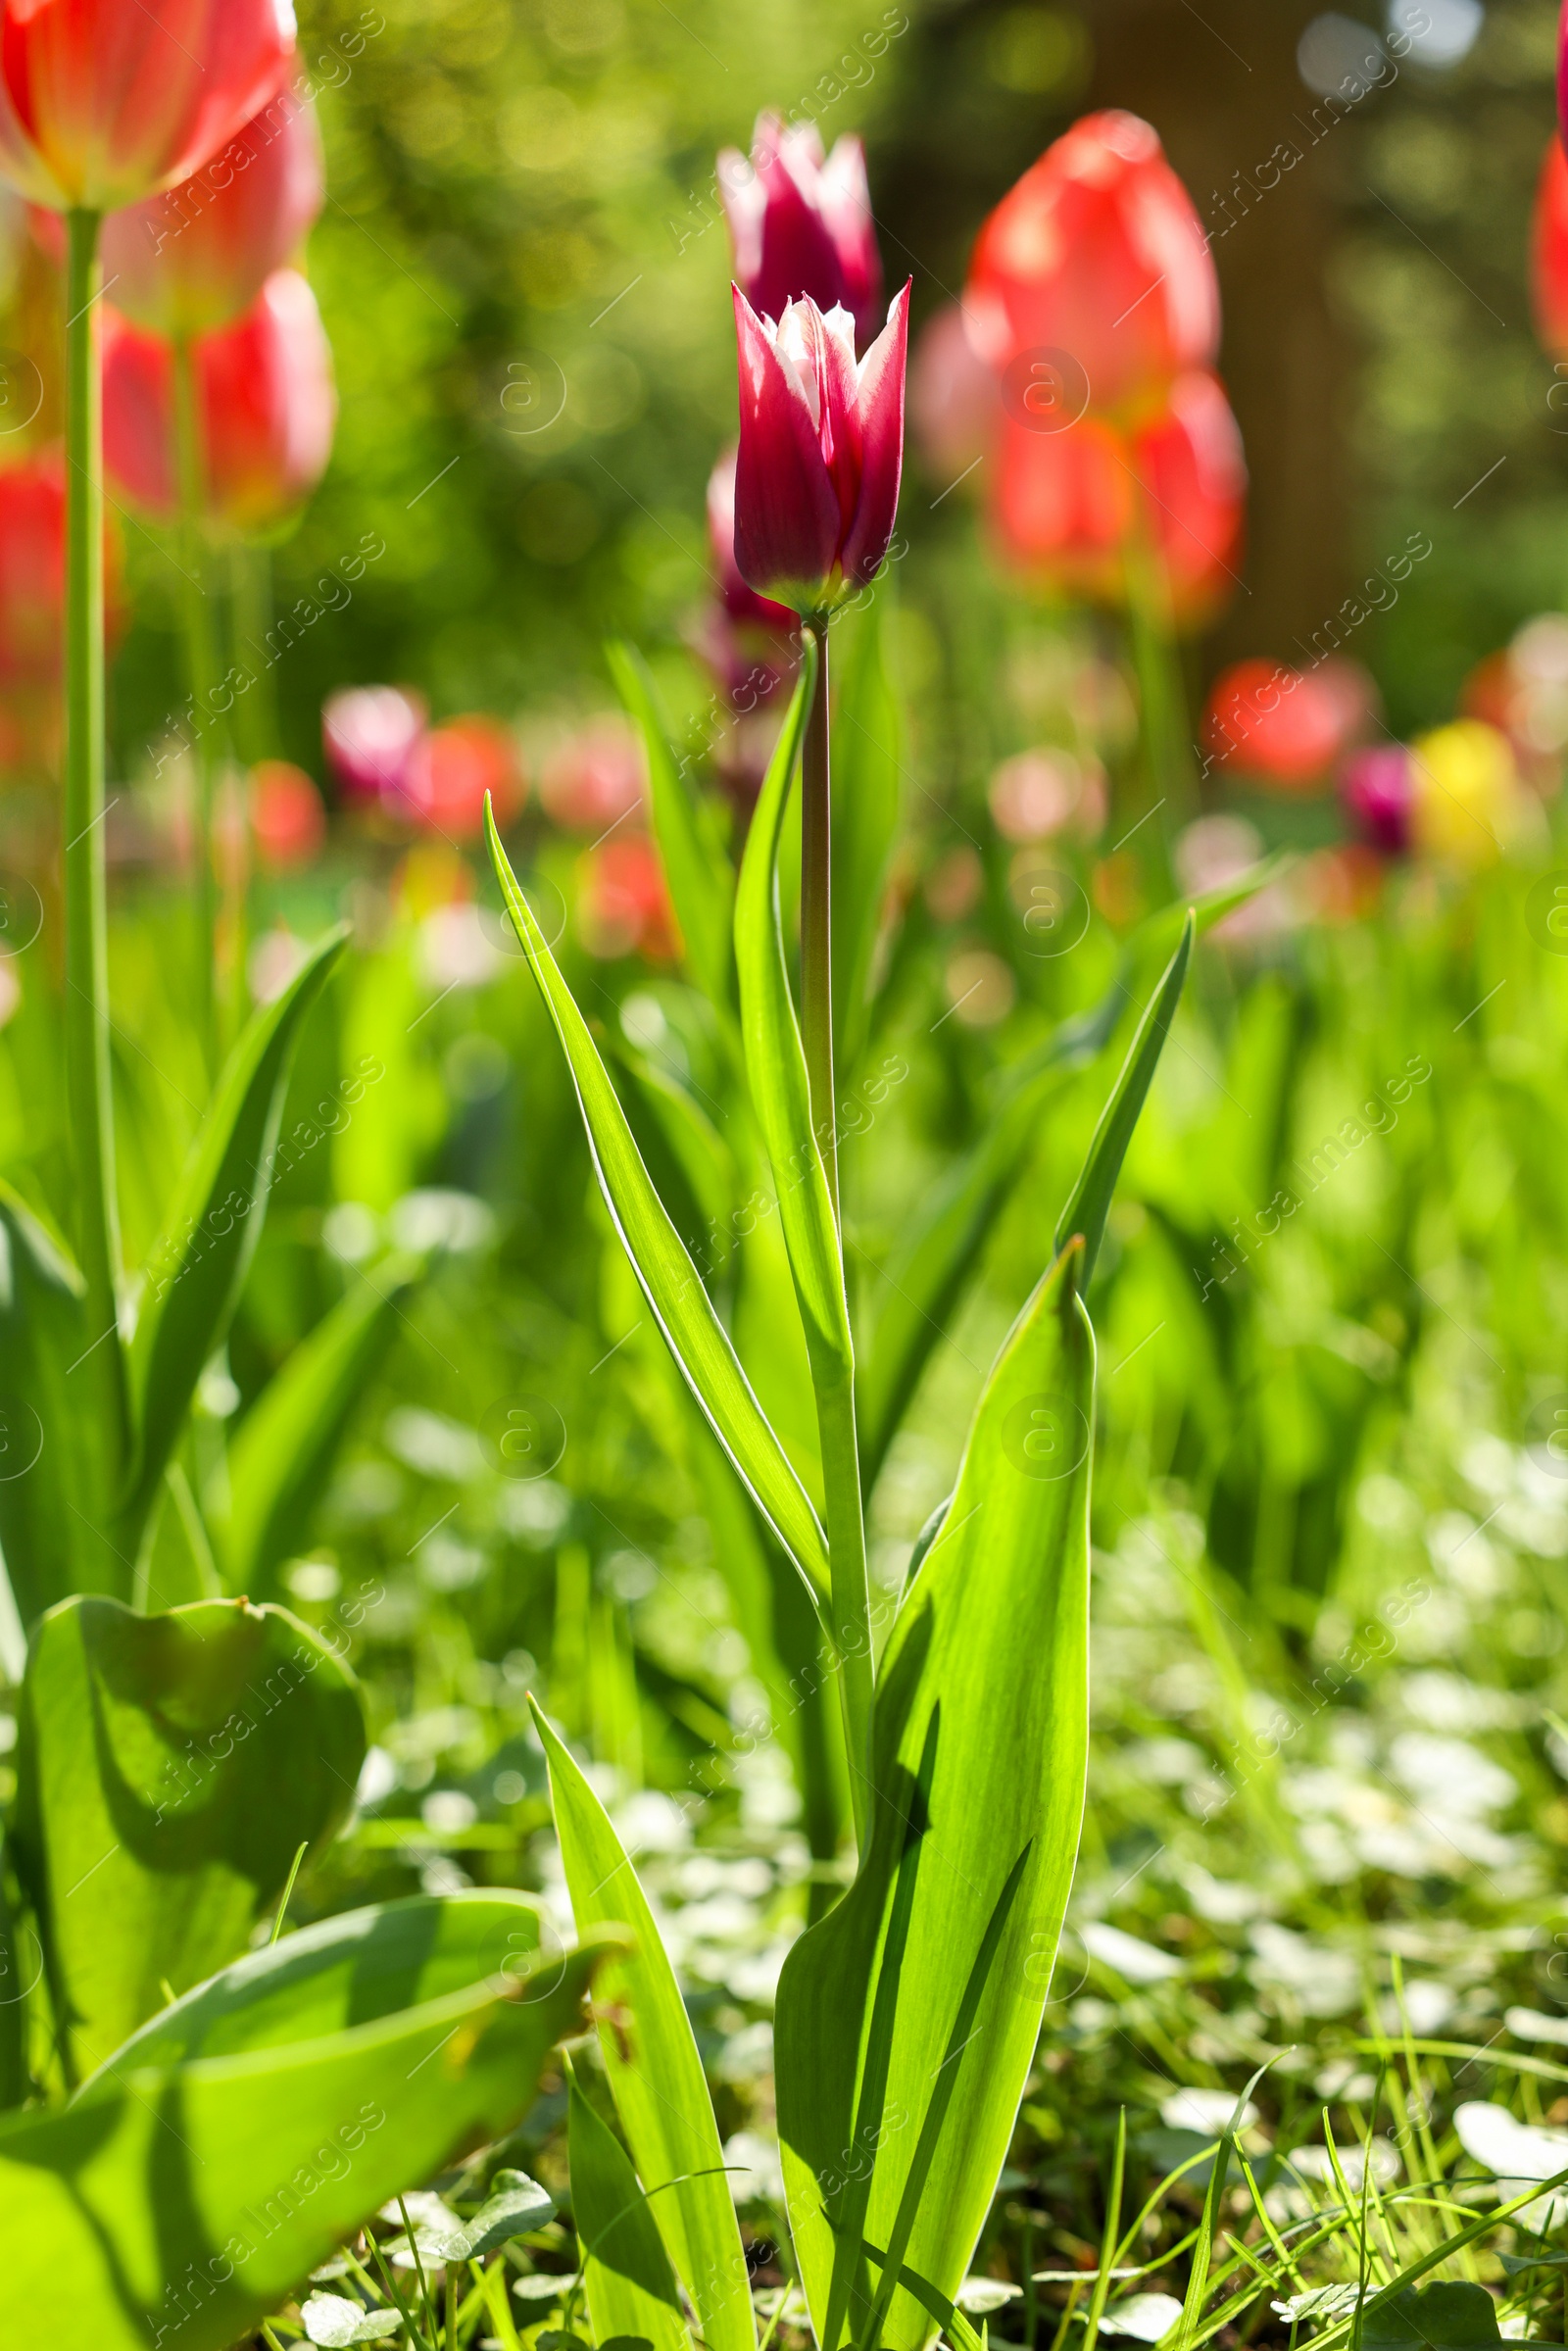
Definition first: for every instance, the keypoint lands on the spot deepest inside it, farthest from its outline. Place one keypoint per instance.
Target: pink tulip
(801, 225)
(1379, 792)
(197, 256)
(101, 103)
(377, 743)
(821, 450)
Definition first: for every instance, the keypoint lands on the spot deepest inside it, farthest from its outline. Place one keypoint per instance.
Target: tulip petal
(879, 417)
(786, 510)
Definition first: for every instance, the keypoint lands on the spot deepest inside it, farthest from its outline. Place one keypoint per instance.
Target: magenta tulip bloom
(802, 226)
(1378, 788)
(821, 449)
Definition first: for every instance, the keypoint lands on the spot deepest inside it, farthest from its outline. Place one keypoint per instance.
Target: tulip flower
(463, 761)
(196, 257)
(593, 781)
(624, 907)
(747, 642)
(1098, 254)
(264, 399)
(1467, 798)
(1378, 791)
(102, 103)
(1549, 250)
(375, 741)
(821, 450)
(288, 822)
(1282, 727)
(1064, 506)
(801, 225)
(1563, 71)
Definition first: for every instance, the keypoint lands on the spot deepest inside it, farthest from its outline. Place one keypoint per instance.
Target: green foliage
(630, 2285)
(197, 2195)
(171, 1767)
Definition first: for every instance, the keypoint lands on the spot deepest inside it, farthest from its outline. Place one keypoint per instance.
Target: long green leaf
(868, 756)
(196, 1269)
(169, 1769)
(283, 1456)
(626, 2271)
(697, 867)
(344, 1970)
(1089, 1202)
(13, 1995)
(56, 1512)
(179, 2205)
(775, 1060)
(907, 2019)
(668, 1279)
(651, 2058)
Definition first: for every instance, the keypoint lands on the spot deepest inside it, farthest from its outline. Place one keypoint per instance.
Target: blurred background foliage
(522, 269)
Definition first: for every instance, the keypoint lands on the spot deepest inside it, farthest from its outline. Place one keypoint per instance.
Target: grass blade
(668, 1277)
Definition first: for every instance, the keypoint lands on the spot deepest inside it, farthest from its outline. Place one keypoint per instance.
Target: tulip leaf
(199, 1263)
(169, 1769)
(54, 1498)
(668, 1277)
(869, 755)
(14, 1990)
(184, 2203)
(655, 2072)
(626, 2274)
(907, 2019)
(343, 1970)
(691, 851)
(775, 1060)
(282, 1455)
(1089, 1202)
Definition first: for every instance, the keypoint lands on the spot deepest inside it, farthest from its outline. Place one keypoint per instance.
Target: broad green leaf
(169, 1769)
(56, 1510)
(1089, 1202)
(668, 1279)
(626, 2271)
(179, 2205)
(1455, 2317)
(283, 1453)
(198, 1265)
(868, 756)
(775, 1061)
(655, 2074)
(907, 2019)
(342, 1972)
(691, 849)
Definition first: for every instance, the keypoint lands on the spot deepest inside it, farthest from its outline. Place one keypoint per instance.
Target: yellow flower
(1468, 799)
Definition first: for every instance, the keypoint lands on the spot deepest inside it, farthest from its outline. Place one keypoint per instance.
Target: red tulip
(1285, 727)
(1064, 505)
(196, 257)
(1563, 71)
(1098, 254)
(33, 568)
(287, 819)
(821, 449)
(1549, 250)
(624, 903)
(746, 641)
(801, 225)
(462, 761)
(266, 400)
(593, 781)
(374, 738)
(101, 103)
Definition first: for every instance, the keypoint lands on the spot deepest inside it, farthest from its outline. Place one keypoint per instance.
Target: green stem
(86, 908)
(1162, 696)
(833, 1380)
(817, 919)
(201, 669)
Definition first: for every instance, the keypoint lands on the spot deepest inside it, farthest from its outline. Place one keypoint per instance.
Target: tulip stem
(817, 919)
(87, 1080)
(834, 1383)
(201, 671)
(1162, 697)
